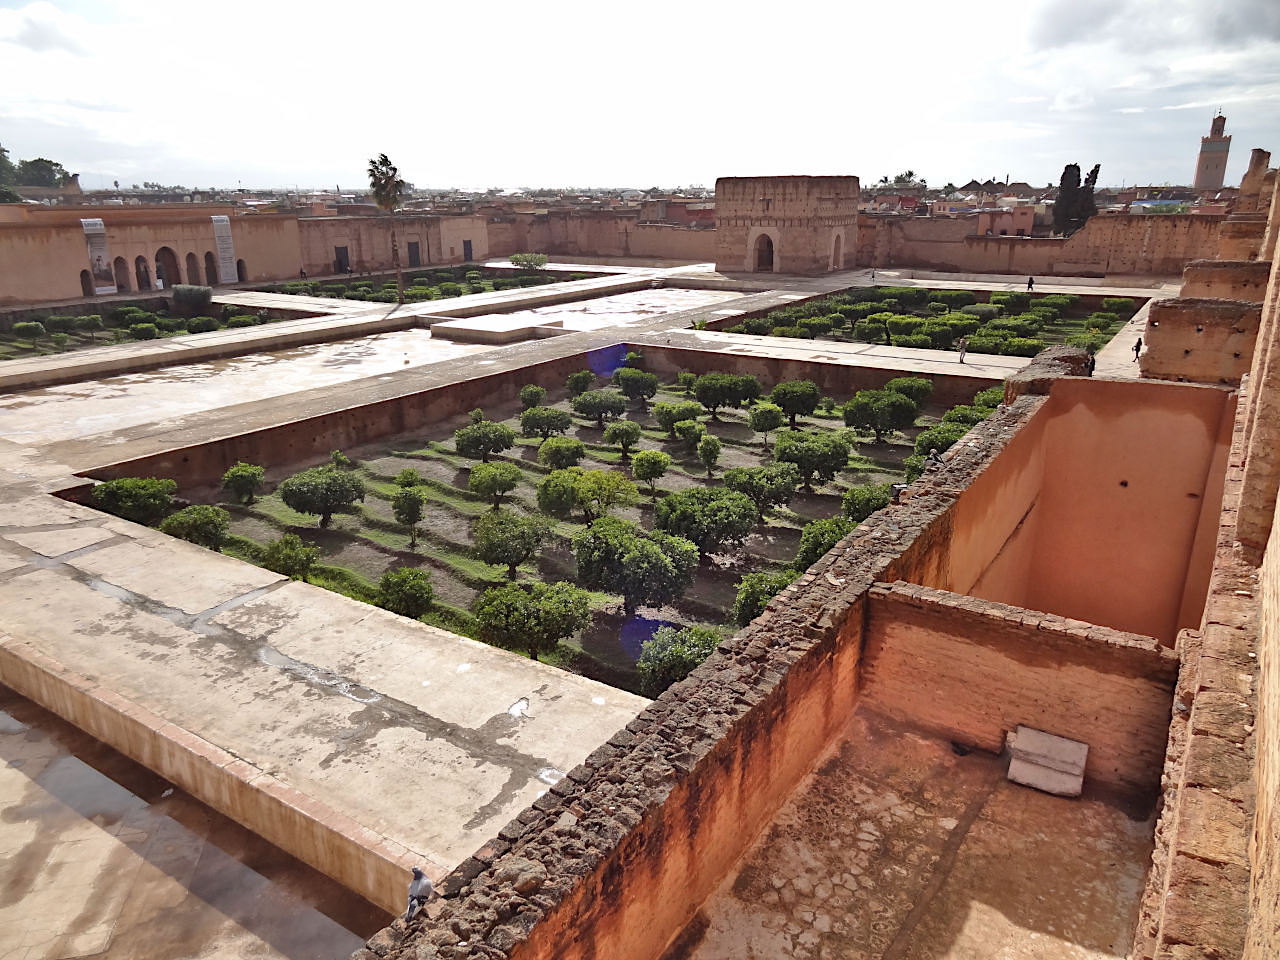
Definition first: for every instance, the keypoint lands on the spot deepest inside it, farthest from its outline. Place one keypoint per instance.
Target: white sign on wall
(95, 234)
(226, 250)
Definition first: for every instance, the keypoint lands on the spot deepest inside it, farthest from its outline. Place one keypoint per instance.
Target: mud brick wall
(1198, 340)
(802, 215)
(311, 438)
(1226, 279)
(1196, 896)
(971, 670)
(1263, 939)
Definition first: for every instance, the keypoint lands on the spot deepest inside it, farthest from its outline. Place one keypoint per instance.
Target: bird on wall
(420, 891)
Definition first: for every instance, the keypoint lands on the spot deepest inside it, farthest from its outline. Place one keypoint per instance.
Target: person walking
(1031, 283)
(963, 347)
(1093, 362)
(1137, 349)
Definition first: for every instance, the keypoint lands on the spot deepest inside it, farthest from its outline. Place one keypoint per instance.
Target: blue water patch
(634, 632)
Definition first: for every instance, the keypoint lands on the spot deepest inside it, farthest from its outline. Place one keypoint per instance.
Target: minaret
(1212, 165)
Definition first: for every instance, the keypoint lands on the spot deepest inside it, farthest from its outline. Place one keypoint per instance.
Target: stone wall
(970, 671)
(811, 222)
(1199, 340)
(1128, 244)
(1226, 279)
(1263, 938)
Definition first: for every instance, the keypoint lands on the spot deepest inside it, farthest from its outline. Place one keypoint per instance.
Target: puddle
(102, 406)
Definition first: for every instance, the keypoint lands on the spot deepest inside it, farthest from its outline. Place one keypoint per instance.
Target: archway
(837, 253)
(242, 272)
(121, 269)
(764, 254)
(210, 269)
(193, 269)
(142, 273)
(86, 283)
(167, 267)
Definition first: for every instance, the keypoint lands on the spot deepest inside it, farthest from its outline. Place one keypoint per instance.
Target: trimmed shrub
(143, 331)
(985, 344)
(868, 331)
(201, 325)
(406, 591)
(29, 330)
(966, 414)
(200, 524)
(580, 382)
(532, 395)
(961, 324)
(1021, 347)
(559, 453)
(908, 296)
(1062, 301)
(987, 311)
(1021, 328)
(955, 299)
(816, 326)
(1093, 342)
(241, 320)
(1101, 321)
(917, 388)
(941, 336)
(819, 537)
(861, 502)
(899, 324)
(755, 590)
(140, 499)
(671, 654)
(190, 300)
(796, 333)
(1124, 306)
(918, 340)
(1012, 301)
(989, 398)
(171, 324)
(940, 438)
(57, 323)
(1046, 314)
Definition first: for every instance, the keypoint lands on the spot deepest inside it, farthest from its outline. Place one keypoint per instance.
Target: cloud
(1131, 110)
(1152, 24)
(1028, 99)
(41, 28)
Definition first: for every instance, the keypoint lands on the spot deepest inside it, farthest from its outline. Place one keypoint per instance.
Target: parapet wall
(1241, 236)
(1226, 279)
(1200, 340)
(1128, 244)
(971, 670)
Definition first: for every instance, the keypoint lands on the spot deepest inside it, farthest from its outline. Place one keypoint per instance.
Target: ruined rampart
(1200, 341)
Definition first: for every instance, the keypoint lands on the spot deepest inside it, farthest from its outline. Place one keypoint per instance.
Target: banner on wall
(226, 250)
(95, 234)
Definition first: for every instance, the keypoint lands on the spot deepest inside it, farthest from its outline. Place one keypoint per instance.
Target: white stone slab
(1047, 762)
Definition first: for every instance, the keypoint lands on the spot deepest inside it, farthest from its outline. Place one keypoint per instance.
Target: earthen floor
(100, 857)
(896, 848)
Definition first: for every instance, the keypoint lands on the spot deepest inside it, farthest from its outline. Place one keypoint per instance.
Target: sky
(575, 94)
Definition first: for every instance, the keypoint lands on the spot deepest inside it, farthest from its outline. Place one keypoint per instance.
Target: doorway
(142, 271)
(764, 254)
(210, 269)
(193, 269)
(167, 268)
(86, 283)
(121, 269)
(415, 254)
(837, 262)
(341, 260)
(242, 272)
(466, 250)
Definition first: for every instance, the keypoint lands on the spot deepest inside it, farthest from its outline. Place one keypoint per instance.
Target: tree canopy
(712, 518)
(507, 539)
(320, 491)
(796, 398)
(483, 439)
(532, 616)
(816, 456)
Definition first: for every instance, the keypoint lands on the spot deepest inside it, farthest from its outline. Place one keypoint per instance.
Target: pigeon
(420, 891)
(933, 459)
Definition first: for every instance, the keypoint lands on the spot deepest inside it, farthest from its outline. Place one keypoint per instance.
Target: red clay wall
(1200, 341)
(972, 671)
(1135, 244)
(1226, 279)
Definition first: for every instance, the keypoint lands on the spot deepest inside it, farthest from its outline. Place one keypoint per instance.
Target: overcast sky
(569, 93)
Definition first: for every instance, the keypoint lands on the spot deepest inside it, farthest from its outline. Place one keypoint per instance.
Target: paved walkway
(99, 857)
(908, 360)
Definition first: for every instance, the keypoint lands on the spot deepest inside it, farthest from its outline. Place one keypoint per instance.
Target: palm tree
(388, 189)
